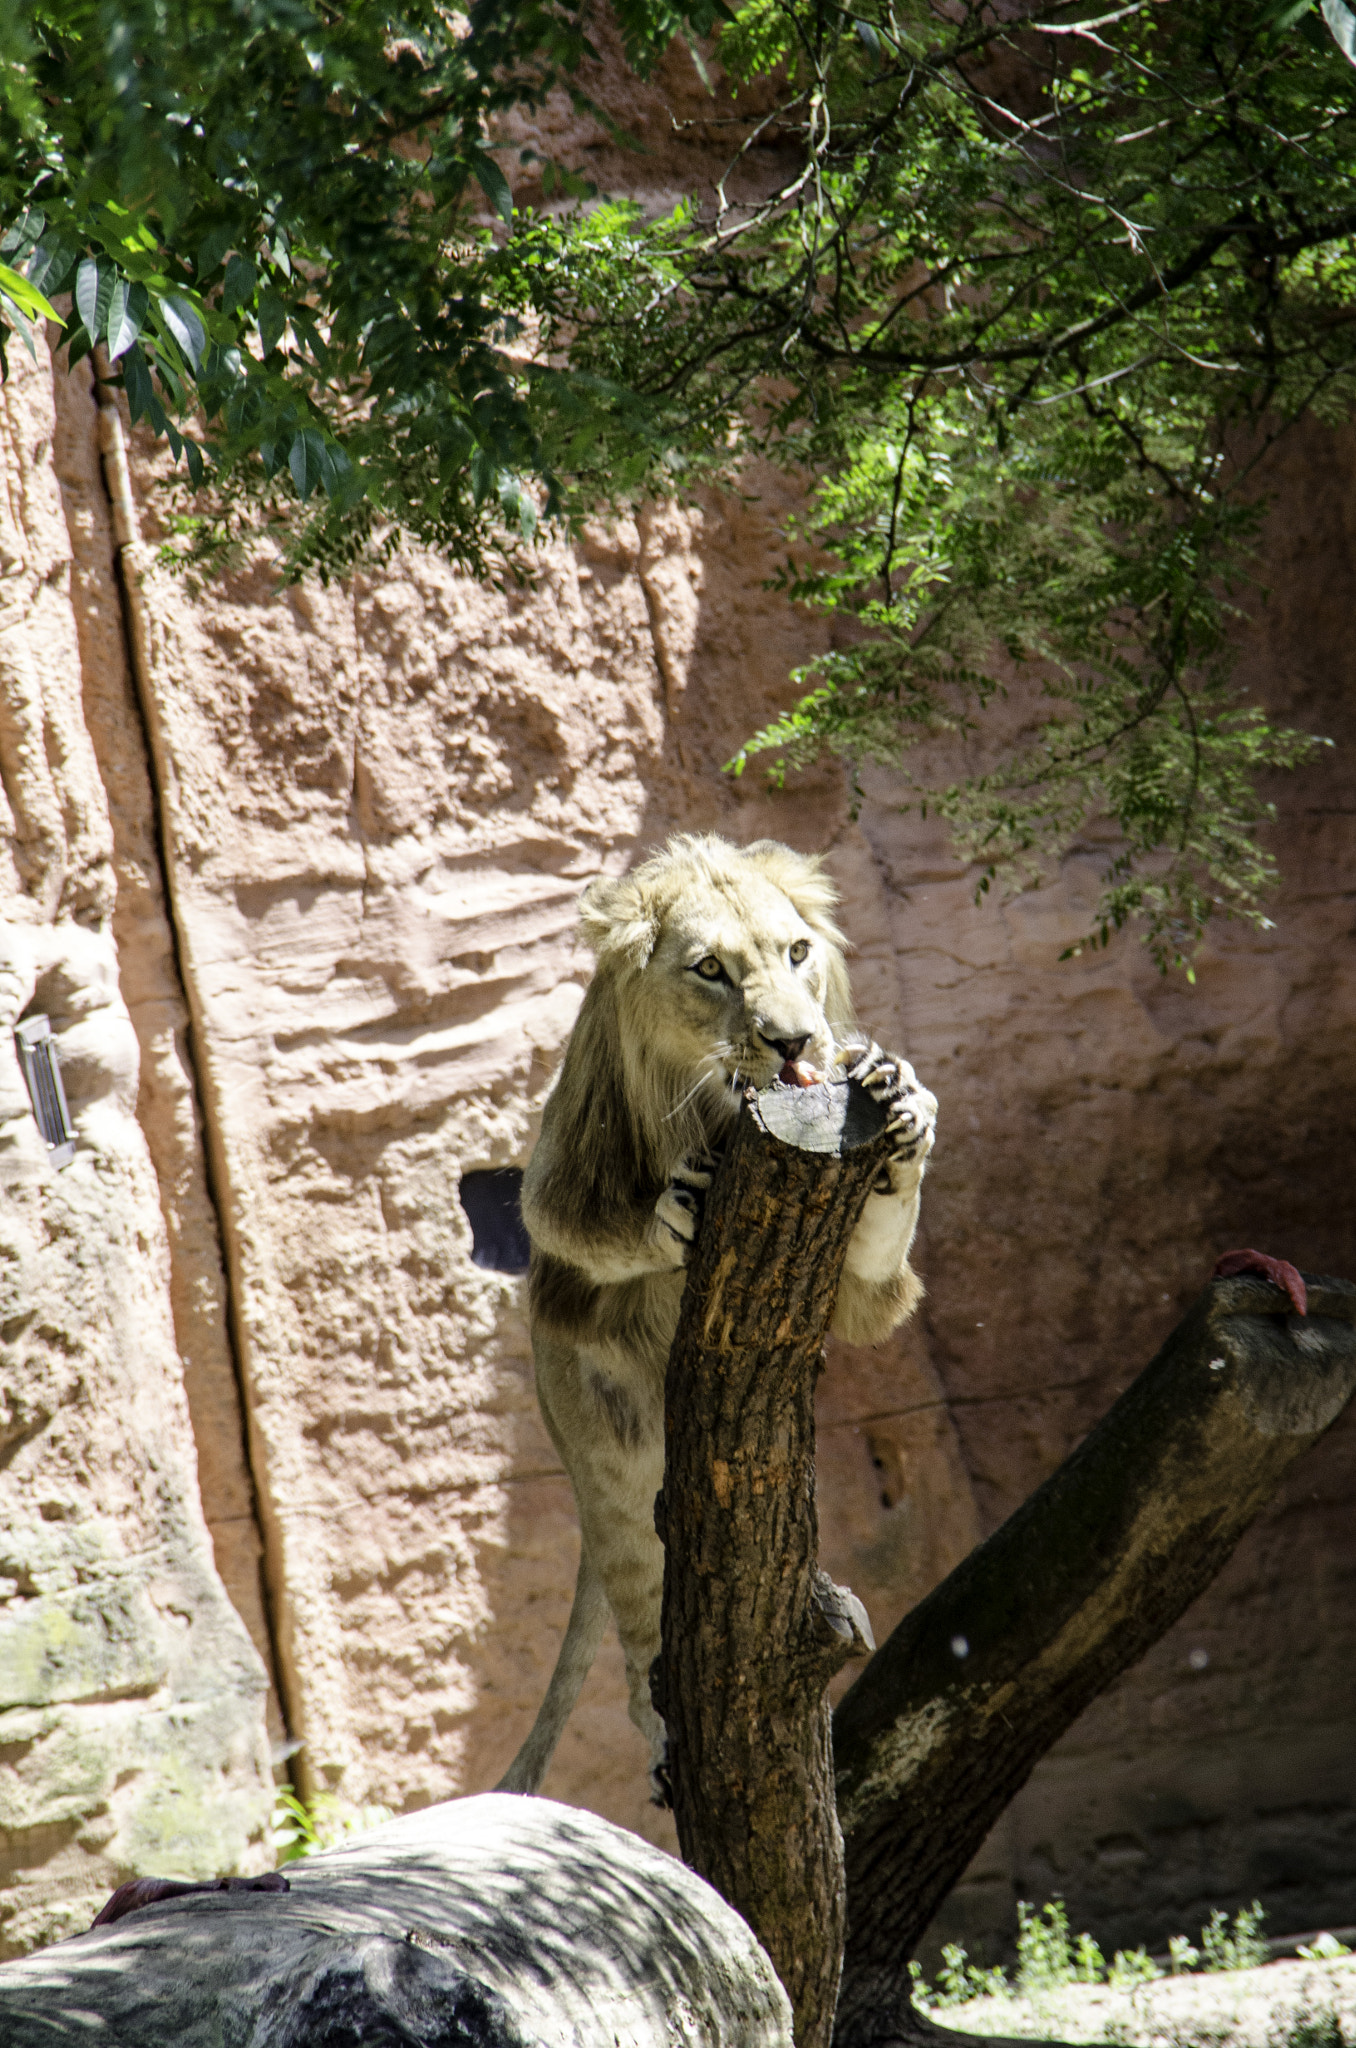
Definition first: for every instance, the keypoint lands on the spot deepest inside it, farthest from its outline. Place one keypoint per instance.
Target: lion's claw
(661, 1781)
(912, 1108)
(679, 1209)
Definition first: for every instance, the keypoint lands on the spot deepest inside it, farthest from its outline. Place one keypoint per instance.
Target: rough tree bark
(951, 1715)
(949, 1718)
(753, 1630)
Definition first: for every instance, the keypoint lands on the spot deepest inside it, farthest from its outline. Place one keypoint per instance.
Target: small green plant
(302, 1830)
(1323, 1948)
(1045, 1952)
(1131, 1967)
(923, 1996)
(1089, 1963)
(958, 1981)
(1241, 1948)
(1049, 1956)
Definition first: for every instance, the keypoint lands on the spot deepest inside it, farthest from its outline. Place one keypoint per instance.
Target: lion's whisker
(695, 1089)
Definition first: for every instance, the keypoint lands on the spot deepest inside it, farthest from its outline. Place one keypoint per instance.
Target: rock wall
(296, 887)
(132, 1726)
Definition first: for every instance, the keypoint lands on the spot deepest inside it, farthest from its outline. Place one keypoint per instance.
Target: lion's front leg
(879, 1289)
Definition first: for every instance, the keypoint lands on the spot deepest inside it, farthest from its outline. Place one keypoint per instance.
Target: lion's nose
(789, 1048)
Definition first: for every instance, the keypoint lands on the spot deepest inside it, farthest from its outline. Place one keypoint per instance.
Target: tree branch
(948, 1720)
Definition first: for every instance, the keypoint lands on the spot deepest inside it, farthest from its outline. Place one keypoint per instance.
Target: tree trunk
(949, 1718)
(753, 1631)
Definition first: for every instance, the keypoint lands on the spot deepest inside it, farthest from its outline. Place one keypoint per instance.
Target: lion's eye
(799, 951)
(710, 968)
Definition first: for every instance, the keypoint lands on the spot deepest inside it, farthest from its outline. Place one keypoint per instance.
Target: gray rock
(494, 1922)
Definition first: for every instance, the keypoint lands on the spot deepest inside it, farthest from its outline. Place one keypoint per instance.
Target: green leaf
(136, 379)
(18, 240)
(483, 472)
(193, 455)
(183, 321)
(25, 298)
(272, 321)
(211, 249)
(241, 278)
(126, 316)
(494, 185)
(304, 461)
(94, 282)
(345, 484)
(699, 66)
(16, 324)
(49, 266)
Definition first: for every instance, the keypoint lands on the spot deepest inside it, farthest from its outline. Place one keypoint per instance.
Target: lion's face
(727, 965)
(741, 984)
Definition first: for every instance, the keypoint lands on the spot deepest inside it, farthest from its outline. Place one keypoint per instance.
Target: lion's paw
(678, 1212)
(912, 1111)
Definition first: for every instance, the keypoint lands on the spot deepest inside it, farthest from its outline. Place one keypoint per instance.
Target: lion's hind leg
(584, 1632)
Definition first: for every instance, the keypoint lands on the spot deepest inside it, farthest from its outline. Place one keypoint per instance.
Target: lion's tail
(588, 1617)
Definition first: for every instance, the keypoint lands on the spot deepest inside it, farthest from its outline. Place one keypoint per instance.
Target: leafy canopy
(1038, 287)
(271, 215)
(1024, 288)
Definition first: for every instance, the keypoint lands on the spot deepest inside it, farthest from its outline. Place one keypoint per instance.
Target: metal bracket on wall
(42, 1073)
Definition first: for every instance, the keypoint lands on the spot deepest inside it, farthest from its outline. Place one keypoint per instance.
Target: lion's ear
(800, 876)
(616, 920)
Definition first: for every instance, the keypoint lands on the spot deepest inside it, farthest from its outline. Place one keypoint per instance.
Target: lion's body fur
(652, 1077)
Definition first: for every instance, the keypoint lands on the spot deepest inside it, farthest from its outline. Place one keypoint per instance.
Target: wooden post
(753, 1631)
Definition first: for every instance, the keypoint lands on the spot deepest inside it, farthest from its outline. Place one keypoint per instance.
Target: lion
(717, 967)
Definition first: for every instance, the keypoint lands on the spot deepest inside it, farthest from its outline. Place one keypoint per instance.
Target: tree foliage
(1039, 288)
(271, 216)
(1035, 287)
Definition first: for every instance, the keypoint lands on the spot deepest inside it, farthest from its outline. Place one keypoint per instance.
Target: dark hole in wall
(490, 1200)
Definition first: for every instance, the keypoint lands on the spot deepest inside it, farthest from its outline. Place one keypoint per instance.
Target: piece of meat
(1279, 1272)
(146, 1891)
(799, 1074)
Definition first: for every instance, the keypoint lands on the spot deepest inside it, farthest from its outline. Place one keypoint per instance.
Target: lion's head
(718, 963)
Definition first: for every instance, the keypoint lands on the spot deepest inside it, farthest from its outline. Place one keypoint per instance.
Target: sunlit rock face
(302, 915)
(132, 1702)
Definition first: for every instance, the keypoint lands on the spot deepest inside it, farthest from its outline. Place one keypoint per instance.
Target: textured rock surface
(131, 1702)
(151, 984)
(491, 1923)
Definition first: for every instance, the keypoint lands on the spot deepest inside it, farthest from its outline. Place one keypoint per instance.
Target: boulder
(494, 1922)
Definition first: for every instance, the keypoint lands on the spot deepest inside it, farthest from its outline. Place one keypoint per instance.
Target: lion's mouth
(760, 1070)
